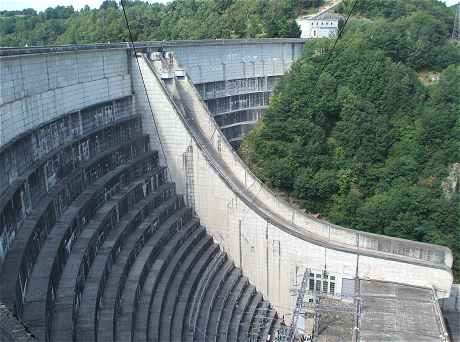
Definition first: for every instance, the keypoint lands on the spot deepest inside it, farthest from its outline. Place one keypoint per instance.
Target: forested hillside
(365, 142)
(179, 19)
(355, 133)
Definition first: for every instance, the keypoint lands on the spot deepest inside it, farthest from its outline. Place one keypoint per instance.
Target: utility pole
(456, 29)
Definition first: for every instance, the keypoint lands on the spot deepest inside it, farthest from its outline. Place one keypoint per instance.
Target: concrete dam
(127, 215)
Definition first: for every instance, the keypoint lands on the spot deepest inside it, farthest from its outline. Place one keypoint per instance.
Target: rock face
(452, 183)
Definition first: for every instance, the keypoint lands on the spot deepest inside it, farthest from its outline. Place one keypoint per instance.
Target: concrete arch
(249, 219)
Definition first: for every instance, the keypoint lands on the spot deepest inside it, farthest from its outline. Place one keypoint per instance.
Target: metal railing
(316, 231)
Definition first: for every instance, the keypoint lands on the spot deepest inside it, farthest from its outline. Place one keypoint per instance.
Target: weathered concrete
(33, 87)
(451, 310)
(266, 237)
(11, 330)
(237, 79)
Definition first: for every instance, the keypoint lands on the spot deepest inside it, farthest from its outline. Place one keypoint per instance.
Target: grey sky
(40, 5)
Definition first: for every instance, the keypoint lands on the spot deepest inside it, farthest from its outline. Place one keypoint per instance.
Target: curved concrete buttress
(272, 242)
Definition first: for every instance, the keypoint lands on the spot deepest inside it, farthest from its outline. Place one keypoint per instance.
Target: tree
(107, 4)
(357, 137)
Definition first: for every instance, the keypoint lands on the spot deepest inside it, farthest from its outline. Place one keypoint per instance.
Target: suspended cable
(145, 89)
(330, 51)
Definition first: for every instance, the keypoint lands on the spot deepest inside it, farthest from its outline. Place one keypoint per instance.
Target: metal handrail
(266, 213)
(439, 317)
(155, 44)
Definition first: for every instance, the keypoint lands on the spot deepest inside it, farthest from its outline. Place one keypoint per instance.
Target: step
(206, 307)
(34, 230)
(218, 307)
(198, 295)
(133, 227)
(238, 313)
(56, 250)
(274, 327)
(259, 320)
(176, 286)
(142, 317)
(166, 236)
(164, 285)
(31, 183)
(229, 307)
(182, 304)
(248, 317)
(269, 328)
(71, 285)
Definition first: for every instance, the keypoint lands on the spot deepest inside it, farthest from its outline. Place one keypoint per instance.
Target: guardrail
(14, 51)
(439, 318)
(300, 225)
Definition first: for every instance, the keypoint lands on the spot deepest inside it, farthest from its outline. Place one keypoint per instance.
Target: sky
(40, 5)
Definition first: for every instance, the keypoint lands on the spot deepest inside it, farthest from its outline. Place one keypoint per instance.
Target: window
(312, 285)
(325, 286)
(318, 285)
(332, 288)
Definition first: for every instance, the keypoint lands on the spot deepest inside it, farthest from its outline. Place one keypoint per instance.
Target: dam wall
(38, 88)
(272, 242)
(47, 101)
(89, 97)
(236, 79)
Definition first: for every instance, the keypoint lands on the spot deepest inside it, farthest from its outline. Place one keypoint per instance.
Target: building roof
(388, 312)
(325, 16)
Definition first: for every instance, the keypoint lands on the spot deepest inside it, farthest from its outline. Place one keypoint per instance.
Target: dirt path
(327, 7)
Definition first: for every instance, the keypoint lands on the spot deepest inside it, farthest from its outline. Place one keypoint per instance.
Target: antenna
(456, 30)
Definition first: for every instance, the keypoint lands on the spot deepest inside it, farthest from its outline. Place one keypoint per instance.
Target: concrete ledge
(14, 51)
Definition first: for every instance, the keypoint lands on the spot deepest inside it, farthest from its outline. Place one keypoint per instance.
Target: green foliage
(179, 19)
(365, 142)
(415, 32)
(26, 27)
(394, 9)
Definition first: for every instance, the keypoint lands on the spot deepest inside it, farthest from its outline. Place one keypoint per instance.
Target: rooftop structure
(322, 26)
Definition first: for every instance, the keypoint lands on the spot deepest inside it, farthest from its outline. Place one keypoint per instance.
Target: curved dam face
(44, 91)
(236, 80)
(272, 242)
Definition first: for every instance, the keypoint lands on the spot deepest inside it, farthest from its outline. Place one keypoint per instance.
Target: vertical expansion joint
(357, 318)
(267, 271)
(187, 158)
(240, 247)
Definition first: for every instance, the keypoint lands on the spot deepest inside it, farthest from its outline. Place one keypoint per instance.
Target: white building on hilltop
(319, 26)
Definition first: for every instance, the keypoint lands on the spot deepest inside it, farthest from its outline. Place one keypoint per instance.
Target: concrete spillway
(95, 143)
(255, 215)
